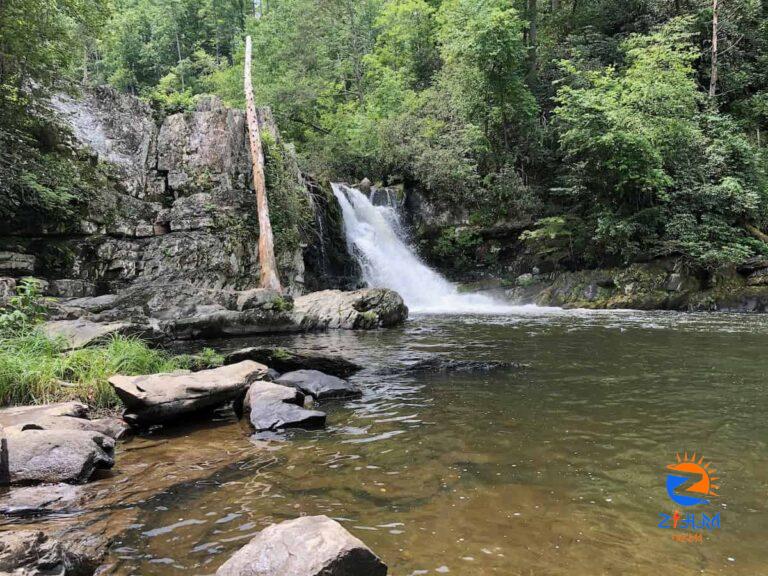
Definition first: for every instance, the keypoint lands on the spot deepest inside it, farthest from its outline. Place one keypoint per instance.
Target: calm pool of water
(555, 469)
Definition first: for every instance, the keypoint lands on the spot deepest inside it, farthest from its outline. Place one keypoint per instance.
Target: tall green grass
(35, 369)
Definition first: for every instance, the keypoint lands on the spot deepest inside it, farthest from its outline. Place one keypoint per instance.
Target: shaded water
(554, 469)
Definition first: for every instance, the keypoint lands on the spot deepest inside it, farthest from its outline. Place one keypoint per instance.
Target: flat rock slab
(284, 360)
(274, 407)
(320, 386)
(39, 500)
(81, 332)
(159, 398)
(35, 456)
(307, 546)
(61, 416)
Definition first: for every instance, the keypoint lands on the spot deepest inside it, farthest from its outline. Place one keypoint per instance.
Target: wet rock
(320, 386)
(80, 333)
(158, 398)
(273, 407)
(307, 546)
(361, 309)
(284, 360)
(39, 500)
(33, 553)
(54, 456)
(440, 364)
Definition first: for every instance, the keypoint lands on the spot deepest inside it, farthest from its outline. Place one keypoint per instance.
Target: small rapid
(374, 237)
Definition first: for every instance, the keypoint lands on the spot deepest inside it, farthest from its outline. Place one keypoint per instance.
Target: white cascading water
(388, 262)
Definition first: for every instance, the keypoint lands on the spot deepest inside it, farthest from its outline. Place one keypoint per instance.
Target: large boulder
(33, 553)
(61, 416)
(284, 360)
(158, 398)
(361, 309)
(307, 546)
(273, 407)
(318, 385)
(54, 456)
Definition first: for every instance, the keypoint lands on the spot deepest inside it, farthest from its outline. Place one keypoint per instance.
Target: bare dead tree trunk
(713, 76)
(269, 278)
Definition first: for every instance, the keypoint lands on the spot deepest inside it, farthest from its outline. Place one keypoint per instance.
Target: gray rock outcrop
(370, 308)
(320, 386)
(307, 546)
(270, 407)
(35, 456)
(158, 398)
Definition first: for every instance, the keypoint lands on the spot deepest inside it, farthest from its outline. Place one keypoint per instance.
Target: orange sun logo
(689, 469)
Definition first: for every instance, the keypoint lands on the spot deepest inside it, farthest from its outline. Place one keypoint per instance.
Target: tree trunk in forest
(178, 52)
(555, 5)
(533, 35)
(713, 76)
(267, 263)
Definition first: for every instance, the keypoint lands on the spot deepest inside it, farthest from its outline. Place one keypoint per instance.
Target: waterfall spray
(388, 262)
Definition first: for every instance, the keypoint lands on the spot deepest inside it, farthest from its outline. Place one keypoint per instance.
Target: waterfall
(374, 237)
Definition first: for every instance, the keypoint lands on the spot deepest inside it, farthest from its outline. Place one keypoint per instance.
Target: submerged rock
(361, 309)
(33, 553)
(284, 360)
(307, 546)
(54, 456)
(441, 364)
(38, 500)
(273, 407)
(319, 385)
(158, 398)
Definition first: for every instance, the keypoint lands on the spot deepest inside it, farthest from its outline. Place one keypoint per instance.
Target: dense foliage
(598, 123)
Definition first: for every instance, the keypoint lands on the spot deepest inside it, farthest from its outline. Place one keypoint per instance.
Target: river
(555, 468)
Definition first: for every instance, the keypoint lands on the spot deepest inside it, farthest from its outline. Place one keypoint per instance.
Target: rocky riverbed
(50, 453)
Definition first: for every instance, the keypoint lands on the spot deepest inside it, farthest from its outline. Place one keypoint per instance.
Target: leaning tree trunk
(269, 278)
(713, 76)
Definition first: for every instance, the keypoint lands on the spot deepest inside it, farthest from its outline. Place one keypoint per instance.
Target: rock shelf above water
(182, 311)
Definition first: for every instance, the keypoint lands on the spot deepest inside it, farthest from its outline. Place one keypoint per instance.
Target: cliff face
(174, 203)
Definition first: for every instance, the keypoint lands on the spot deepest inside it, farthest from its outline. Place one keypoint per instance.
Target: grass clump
(36, 369)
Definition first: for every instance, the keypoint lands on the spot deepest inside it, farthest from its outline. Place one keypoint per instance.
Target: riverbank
(660, 285)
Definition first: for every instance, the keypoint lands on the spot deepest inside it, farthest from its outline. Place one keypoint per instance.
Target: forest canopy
(618, 131)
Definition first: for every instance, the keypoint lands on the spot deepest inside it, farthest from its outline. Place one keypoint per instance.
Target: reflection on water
(554, 469)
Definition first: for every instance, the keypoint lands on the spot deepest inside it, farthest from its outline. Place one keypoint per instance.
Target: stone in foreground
(362, 309)
(284, 360)
(274, 407)
(161, 397)
(320, 386)
(307, 546)
(55, 456)
(31, 553)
